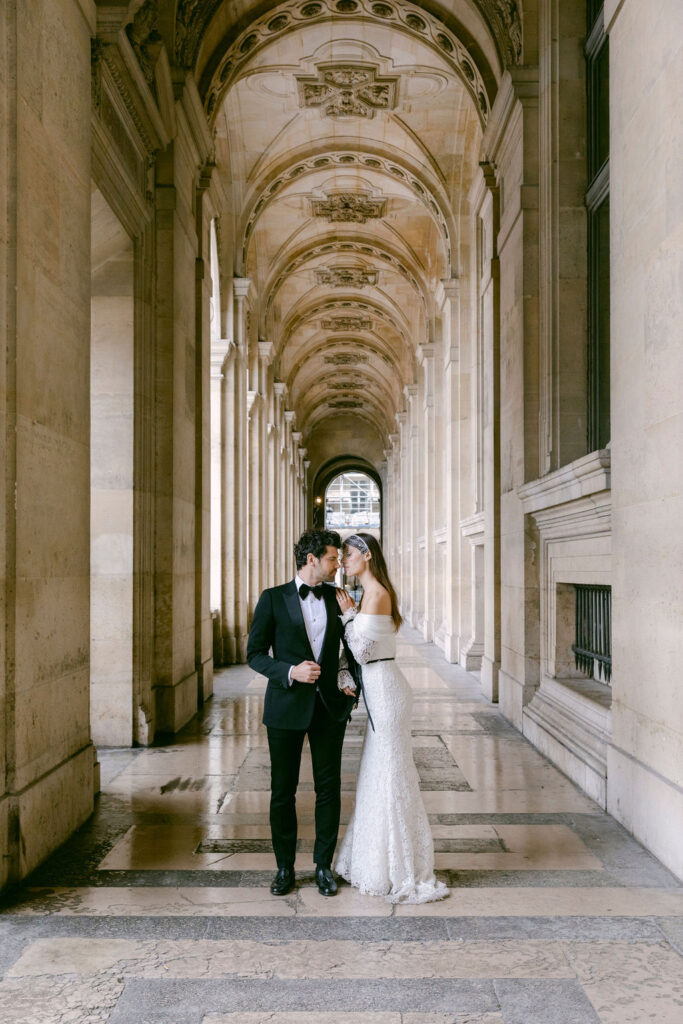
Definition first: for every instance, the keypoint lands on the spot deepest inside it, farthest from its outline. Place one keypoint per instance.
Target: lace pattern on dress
(387, 849)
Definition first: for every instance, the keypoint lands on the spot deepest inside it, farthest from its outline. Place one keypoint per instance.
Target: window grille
(593, 646)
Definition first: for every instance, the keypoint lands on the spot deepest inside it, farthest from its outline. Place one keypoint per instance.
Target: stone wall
(645, 759)
(47, 755)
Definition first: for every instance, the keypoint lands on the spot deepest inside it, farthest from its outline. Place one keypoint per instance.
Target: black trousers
(325, 737)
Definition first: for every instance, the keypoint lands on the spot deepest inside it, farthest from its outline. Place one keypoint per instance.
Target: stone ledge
(572, 728)
(587, 475)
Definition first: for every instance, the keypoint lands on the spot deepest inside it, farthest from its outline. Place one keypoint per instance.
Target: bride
(387, 849)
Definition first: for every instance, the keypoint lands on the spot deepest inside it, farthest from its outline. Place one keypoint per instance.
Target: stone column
(241, 288)
(219, 356)
(254, 469)
(288, 503)
(296, 484)
(307, 465)
(454, 469)
(231, 541)
(265, 354)
(274, 519)
(46, 756)
(412, 497)
(510, 158)
(645, 757)
(425, 356)
(392, 505)
(402, 513)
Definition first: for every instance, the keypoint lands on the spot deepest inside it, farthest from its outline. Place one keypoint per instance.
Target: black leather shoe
(283, 881)
(326, 883)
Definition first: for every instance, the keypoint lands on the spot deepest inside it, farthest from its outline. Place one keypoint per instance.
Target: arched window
(352, 502)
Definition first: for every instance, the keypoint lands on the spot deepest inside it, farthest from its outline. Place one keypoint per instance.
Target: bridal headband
(357, 542)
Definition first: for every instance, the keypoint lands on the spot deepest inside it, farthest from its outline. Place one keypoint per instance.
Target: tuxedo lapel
(332, 611)
(293, 605)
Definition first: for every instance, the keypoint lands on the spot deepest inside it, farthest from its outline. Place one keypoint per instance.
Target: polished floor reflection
(158, 911)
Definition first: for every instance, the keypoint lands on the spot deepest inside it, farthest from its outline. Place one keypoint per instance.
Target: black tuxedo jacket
(278, 640)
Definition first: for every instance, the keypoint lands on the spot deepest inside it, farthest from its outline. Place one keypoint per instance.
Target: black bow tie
(305, 590)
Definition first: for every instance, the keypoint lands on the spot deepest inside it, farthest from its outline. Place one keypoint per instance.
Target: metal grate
(593, 630)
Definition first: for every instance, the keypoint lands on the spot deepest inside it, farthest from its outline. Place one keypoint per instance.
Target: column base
(205, 680)
(490, 677)
(513, 697)
(648, 805)
(450, 645)
(471, 656)
(235, 648)
(176, 704)
(45, 814)
(573, 730)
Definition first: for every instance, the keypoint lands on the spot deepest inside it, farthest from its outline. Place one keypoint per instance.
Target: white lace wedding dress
(387, 849)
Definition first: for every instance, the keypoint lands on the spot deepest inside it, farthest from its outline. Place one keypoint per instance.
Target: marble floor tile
(369, 1017)
(210, 757)
(302, 1017)
(514, 801)
(421, 677)
(551, 901)
(495, 763)
(630, 983)
(157, 901)
(175, 846)
(59, 1000)
(347, 903)
(167, 794)
(323, 959)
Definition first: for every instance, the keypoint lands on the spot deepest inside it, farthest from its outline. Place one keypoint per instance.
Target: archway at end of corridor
(347, 497)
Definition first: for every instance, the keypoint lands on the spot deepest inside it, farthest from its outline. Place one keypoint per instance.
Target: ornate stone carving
(427, 193)
(346, 277)
(96, 50)
(192, 18)
(345, 405)
(505, 21)
(362, 248)
(346, 359)
(145, 39)
(347, 90)
(349, 207)
(346, 323)
(194, 15)
(346, 385)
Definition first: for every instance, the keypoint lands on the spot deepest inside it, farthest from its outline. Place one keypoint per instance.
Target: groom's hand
(306, 672)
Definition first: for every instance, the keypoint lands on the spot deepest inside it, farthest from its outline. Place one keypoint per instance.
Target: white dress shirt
(314, 611)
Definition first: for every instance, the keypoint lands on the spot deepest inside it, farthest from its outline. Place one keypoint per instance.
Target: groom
(294, 641)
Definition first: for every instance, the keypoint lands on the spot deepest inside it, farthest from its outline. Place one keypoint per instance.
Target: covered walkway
(158, 911)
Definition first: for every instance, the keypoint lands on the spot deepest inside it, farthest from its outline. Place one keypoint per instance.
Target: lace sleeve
(344, 678)
(362, 647)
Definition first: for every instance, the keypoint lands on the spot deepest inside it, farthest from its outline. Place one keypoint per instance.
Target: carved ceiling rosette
(348, 207)
(347, 90)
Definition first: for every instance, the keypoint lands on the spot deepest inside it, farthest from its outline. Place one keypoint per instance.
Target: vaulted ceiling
(348, 133)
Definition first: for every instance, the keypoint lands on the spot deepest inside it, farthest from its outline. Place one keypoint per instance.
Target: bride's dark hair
(378, 568)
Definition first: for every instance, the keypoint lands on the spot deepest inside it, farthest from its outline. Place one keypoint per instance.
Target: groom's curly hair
(314, 542)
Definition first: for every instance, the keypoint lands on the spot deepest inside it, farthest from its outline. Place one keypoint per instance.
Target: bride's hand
(344, 600)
